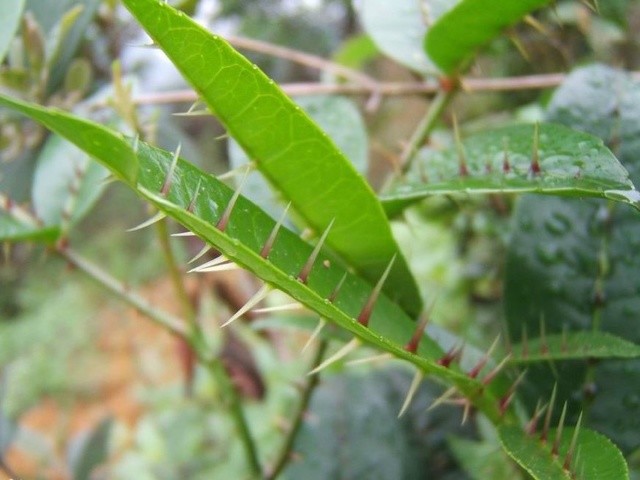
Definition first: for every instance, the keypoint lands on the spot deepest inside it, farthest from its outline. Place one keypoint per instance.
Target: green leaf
(248, 228)
(570, 163)
(17, 224)
(339, 118)
(453, 39)
(575, 345)
(10, 15)
(290, 150)
(98, 141)
(599, 459)
(574, 264)
(483, 460)
(66, 183)
(398, 29)
(352, 431)
(92, 451)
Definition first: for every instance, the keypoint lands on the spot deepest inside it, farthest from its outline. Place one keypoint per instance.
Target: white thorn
(184, 234)
(290, 307)
(193, 113)
(413, 388)
(244, 169)
(442, 398)
(156, 218)
(211, 263)
(321, 323)
(344, 351)
(223, 267)
(252, 302)
(372, 359)
(200, 254)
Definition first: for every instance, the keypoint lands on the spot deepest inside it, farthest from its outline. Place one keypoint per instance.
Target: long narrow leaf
(290, 150)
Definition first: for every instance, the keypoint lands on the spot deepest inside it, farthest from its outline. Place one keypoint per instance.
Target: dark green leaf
(599, 459)
(454, 38)
(242, 240)
(290, 150)
(575, 345)
(92, 451)
(571, 163)
(573, 264)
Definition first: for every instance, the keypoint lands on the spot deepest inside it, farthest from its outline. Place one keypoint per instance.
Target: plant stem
(285, 452)
(217, 370)
(186, 307)
(120, 290)
(425, 126)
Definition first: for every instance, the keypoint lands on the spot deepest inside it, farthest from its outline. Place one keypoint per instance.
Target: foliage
(569, 276)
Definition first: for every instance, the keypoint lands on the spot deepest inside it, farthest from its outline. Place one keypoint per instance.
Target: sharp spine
(303, 276)
(371, 359)
(556, 441)
(155, 219)
(489, 377)
(252, 302)
(473, 373)
(531, 427)
(413, 388)
(334, 293)
(321, 324)
(572, 446)
(166, 186)
(226, 215)
(219, 260)
(268, 245)
(290, 307)
(192, 203)
(234, 172)
(343, 352)
(200, 254)
(507, 398)
(451, 356)
(413, 344)
(367, 310)
(535, 158)
(547, 418)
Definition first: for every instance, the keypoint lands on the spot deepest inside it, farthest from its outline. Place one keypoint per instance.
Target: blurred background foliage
(84, 382)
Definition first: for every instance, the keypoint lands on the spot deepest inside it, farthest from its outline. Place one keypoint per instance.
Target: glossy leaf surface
(248, 229)
(599, 459)
(290, 150)
(454, 38)
(569, 163)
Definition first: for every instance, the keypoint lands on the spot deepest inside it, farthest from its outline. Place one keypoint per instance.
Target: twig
(285, 452)
(120, 290)
(221, 377)
(425, 126)
(469, 85)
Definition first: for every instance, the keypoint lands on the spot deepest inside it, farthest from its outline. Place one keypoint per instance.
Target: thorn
(268, 245)
(544, 347)
(222, 267)
(156, 218)
(535, 160)
(367, 310)
(506, 166)
(321, 323)
(536, 25)
(166, 186)
(414, 342)
(442, 398)
(236, 171)
(466, 411)
(507, 398)
(525, 342)
(184, 234)
(556, 442)
(463, 170)
(200, 254)
(413, 388)
(451, 355)
(519, 46)
(289, 307)
(547, 418)
(303, 276)
(563, 346)
(220, 259)
(371, 359)
(252, 302)
(226, 215)
(193, 113)
(334, 294)
(533, 423)
(572, 446)
(344, 351)
(192, 203)
(473, 373)
(489, 377)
